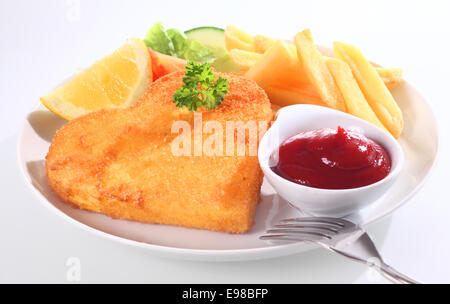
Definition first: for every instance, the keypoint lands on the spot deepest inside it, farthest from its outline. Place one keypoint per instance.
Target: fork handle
(393, 275)
(384, 269)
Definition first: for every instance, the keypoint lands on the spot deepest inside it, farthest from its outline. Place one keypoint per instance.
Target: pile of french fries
(299, 73)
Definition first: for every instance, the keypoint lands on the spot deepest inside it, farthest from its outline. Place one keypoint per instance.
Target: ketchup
(332, 159)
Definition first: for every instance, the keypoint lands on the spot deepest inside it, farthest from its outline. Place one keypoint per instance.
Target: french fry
(355, 102)
(373, 87)
(262, 43)
(244, 59)
(236, 38)
(288, 95)
(390, 76)
(317, 71)
(277, 65)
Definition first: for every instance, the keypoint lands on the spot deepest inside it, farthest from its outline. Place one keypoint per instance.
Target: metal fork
(338, 235)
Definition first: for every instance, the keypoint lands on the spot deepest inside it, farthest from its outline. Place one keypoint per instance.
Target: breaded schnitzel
(119, 162)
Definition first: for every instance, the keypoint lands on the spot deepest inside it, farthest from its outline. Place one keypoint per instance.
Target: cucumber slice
(214, 39)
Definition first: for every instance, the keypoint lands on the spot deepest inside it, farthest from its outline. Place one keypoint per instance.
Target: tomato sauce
(332, 159)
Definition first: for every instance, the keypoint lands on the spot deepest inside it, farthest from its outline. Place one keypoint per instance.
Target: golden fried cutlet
(119, 162)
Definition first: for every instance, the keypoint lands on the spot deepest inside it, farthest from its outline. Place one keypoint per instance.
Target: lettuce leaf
(179, 40)
(198, 52)
(174, 42)
(158, 40)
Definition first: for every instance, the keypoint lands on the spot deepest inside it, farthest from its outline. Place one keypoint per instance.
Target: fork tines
(324, 220)
(306, 229)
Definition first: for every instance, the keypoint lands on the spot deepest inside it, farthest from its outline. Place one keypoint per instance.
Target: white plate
(419, 142)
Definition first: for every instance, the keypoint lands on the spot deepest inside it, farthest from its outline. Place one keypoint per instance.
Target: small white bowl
(294, 119)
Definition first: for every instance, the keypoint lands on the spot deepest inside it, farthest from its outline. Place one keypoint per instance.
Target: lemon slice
(116, 81)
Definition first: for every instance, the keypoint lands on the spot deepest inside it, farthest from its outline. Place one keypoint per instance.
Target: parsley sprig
(200, 88)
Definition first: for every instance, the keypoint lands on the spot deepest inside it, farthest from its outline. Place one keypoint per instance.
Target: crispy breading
(119, 162)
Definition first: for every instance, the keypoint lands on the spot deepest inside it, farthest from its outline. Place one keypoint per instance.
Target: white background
(43, 42)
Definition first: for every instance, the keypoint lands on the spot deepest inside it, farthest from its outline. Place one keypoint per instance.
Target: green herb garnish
(200, 88)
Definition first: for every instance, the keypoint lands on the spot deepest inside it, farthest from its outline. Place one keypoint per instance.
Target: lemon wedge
(115, 81)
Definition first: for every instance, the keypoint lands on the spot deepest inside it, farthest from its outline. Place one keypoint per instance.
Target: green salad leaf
(198, 52)
(179, 40)
(174, 42)
(158, 40)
